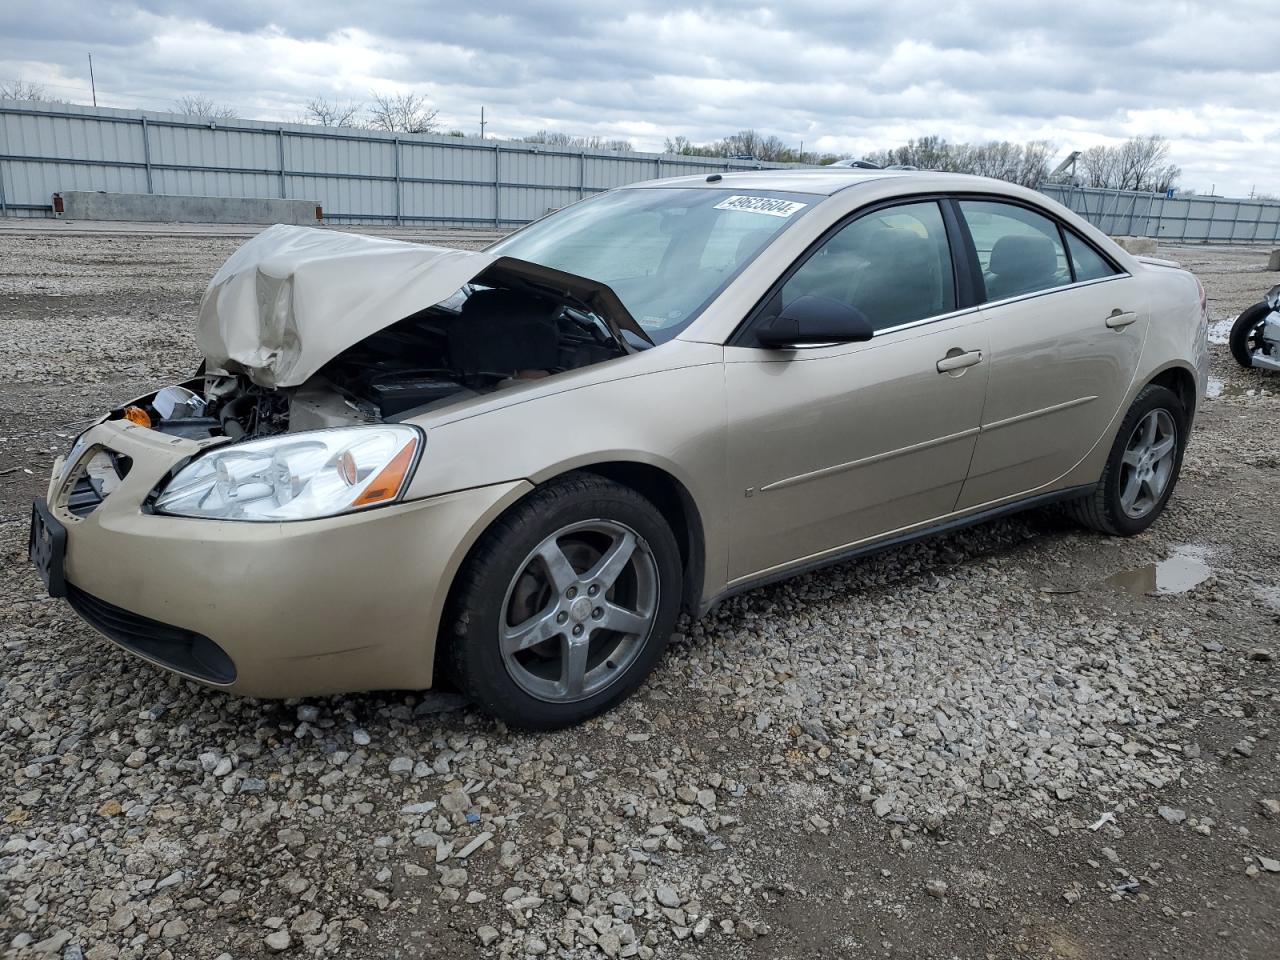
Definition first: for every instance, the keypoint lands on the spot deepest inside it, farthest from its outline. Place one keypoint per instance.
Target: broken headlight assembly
(296, 476)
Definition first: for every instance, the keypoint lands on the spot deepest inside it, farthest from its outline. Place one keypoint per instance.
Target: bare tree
(1137, 164)
(1098, 167)
(752, 144)
(1023, 163)
(402, 113)
(322, 112)
(23, 90)
(1036, 157)
(748, 143)
(203, 107)
(1144, 164)
(556, 138)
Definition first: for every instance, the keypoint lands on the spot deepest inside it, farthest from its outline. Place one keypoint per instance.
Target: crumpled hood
(293, 298)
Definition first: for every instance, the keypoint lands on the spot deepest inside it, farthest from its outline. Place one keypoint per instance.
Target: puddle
(1186, 568)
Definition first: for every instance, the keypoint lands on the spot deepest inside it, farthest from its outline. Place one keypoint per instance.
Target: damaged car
(515, 468)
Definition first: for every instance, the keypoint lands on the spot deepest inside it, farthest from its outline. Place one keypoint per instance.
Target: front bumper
(334, 605)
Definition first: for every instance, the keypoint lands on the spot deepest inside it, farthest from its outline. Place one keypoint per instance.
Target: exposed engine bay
(480, 340)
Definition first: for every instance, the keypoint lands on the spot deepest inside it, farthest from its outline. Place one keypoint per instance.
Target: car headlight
(296, 476)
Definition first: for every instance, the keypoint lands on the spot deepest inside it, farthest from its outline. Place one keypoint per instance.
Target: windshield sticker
(765, 205)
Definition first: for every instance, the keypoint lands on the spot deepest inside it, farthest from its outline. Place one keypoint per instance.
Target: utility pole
(92, 86)
(482, 123)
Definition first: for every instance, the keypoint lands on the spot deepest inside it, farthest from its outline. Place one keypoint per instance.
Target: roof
(819, 180)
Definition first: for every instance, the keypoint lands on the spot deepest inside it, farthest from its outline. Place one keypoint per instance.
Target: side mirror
(811, 319)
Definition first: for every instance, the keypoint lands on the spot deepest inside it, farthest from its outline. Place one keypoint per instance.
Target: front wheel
(1142, 468)
(565, 605)
(1246, 334)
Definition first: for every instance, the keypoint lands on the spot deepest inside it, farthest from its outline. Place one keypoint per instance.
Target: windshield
(666, 252)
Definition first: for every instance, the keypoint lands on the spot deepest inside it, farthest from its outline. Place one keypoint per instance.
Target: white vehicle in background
(1255, 336)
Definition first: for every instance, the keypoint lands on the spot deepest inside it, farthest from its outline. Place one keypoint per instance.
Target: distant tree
(747, 143)
(1023, 163)
(686, 147)
(324, 113)
(1140, 163)
(24, 90)
(203, 107)
(754, 144)
(402, 113)
(456, 133)
(555, 138)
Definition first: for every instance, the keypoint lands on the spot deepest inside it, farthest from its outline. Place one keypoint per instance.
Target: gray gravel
(977, 742)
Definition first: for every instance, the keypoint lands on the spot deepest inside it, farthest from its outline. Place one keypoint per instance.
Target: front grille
(84, 497)
(183, 650)
(94, 478)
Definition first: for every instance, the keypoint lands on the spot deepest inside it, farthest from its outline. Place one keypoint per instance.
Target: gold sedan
(517, 467)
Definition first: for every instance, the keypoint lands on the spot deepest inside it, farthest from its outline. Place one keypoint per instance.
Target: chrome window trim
(1000, 303)
(1048, 290)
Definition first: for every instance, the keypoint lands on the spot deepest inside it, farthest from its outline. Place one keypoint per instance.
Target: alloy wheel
(1147, 465)
(579, 610)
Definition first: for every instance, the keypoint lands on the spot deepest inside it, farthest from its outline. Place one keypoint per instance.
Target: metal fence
(357, 176)
(1189, 219)
(364, 176)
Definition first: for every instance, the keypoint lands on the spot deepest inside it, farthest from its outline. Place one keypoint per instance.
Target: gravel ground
(991, 744)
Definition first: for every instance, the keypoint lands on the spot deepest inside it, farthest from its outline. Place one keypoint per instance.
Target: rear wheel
(1142, 468)
(565, 605)
(1246, 333)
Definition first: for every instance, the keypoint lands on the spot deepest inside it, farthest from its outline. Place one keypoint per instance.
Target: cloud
(841, 76)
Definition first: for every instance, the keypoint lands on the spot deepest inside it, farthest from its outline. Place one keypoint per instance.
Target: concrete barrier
(162, 208)
(1138, 246)
(1274, 262)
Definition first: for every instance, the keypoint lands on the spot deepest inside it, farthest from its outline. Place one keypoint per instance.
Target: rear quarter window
(1088, 263)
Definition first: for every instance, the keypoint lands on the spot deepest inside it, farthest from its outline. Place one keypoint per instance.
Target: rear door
(1066, 327)
(832, 445)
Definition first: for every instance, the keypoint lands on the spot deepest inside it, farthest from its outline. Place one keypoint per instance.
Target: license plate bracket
(47, 548)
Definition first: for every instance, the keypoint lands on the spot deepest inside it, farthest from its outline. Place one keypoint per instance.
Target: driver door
(832, 445)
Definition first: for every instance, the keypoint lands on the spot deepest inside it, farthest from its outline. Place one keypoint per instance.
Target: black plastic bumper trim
(186, 651)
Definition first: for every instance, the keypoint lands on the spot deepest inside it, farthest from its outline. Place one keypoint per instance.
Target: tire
(546, 676)
(1105, 509)
(1242, 331)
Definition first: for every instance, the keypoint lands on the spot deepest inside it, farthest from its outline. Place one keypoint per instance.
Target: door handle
(958, 361)
(1120, 319)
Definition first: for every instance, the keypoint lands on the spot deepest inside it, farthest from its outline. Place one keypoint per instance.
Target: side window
(894, 265)
(1019, 250)
(1088, 262)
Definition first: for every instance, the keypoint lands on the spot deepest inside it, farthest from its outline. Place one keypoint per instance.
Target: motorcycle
(1255, 336)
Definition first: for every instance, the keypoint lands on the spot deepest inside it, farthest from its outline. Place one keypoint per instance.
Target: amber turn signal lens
(387, 483)
(137, 415)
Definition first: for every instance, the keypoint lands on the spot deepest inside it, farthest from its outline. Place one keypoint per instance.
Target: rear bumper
(309, 607)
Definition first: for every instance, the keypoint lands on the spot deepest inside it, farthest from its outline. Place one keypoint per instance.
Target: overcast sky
(844, 77)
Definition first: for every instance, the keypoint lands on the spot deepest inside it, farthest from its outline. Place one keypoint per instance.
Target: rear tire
(1140, 474)
(1243, 331)
(565, 605)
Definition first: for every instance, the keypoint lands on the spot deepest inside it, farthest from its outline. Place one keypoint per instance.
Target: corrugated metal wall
(1191, 219)
(362, 176)
(358, 176)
